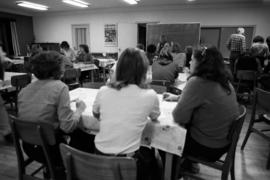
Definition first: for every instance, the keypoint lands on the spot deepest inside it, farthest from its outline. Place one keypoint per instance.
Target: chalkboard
(185, 34)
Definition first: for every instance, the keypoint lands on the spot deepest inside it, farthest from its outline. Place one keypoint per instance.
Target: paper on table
(164, 137)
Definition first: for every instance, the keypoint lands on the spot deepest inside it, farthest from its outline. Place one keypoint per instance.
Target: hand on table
(170, 97)
(80, 105)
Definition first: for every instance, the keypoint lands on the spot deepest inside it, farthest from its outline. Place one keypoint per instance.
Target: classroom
(134, 89)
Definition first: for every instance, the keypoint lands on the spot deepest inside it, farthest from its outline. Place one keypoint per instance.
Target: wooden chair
(71, 78)
(160, 86)
(84, 166)
(40, 134)
(246, 80)
(18, 82)
(261, 104)
(225, 166)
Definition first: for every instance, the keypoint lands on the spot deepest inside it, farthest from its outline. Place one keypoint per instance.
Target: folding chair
(261, 104)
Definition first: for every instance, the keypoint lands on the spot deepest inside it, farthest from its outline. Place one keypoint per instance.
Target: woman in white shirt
(123, 107)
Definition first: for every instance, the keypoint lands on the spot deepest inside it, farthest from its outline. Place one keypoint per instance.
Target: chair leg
(268, 161)
(247, 136)
(232, 171)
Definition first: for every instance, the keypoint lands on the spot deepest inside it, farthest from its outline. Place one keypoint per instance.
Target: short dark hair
(211, 67)
(268, 40)
(131, 68)
(64, 45)
(84, 47)
(257, 39)
(46, 65)
(151, 48)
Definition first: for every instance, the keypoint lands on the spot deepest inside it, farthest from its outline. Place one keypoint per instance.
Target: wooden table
(164, 135)
(86, 67)
(17, 61)
(6, 84)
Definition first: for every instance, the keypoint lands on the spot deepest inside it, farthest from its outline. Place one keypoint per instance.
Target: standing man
(236, 45)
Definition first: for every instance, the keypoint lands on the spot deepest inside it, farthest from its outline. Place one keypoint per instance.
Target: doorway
(142, 34)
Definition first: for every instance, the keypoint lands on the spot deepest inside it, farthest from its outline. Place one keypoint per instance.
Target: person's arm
(96, 105)
(67, 118)
(190, 99)
(155, 111)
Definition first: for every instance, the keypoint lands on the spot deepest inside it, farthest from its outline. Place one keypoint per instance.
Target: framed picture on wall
(110, 34)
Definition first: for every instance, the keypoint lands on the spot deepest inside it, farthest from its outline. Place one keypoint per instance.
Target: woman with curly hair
(207, 106)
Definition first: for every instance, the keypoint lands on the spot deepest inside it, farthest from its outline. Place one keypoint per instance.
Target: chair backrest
(246, 75)
(160, 86)
(84, 166)
(42, 134)
(21, 81)
(71, 75)
(233, 136)
(262, 99)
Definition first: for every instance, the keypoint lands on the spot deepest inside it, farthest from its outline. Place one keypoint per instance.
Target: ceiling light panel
(31, 5)
(77, 3)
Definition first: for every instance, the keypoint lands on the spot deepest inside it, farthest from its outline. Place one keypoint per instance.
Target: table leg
(104, 73)
(92, 76)
(168, 166)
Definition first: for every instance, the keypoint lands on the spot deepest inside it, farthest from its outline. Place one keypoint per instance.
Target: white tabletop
(6, 84)
(103, 62)
(164, 135)
(17, 61)
(84, 67)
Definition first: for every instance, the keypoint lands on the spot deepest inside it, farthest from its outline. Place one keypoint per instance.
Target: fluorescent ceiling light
(77, 3)
(32, 5)
(132, 2)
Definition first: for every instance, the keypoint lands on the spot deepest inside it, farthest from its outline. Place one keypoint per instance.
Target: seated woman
(207, 106)
(47, 100)
(179, 57)
(4, 124)
(164, 68)
(68, 53)
(84, 54)
(123, 107)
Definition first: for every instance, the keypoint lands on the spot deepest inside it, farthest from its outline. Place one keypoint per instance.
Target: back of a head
(151, 48)
(176, 48)
(64, 45)
(84, 47)
(240, 30)
(47, 65)
(131, 68)
(258, 39)
(211, 66)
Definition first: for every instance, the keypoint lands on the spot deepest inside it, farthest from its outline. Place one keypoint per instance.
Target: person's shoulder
(195, 79)
(149, 93)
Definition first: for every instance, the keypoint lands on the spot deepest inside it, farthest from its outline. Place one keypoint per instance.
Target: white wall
(56, 27)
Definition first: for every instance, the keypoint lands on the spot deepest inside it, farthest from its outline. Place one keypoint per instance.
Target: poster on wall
(110, 32)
